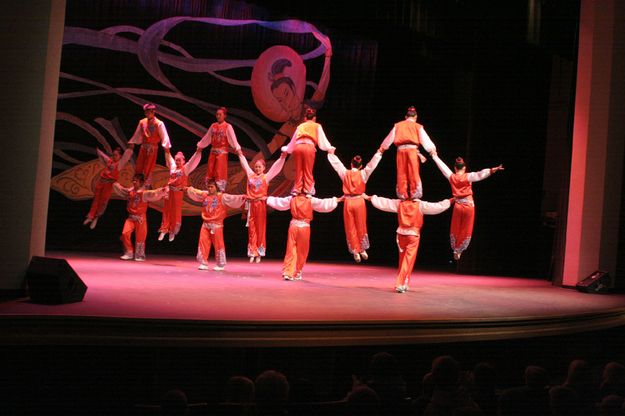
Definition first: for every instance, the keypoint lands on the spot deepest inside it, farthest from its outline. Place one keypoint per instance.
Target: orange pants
(355, 221)
(218, 168)
(257, 229)
(304, 156)
(147, 160)
(101, 198)
(212, 236)
(172, 213)
(408, 248)
(408, 178)
(297, 246)
(461, 229)
(140, 229)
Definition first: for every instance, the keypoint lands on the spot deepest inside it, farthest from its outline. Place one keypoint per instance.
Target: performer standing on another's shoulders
(149, 134)
(408, 135)
(463, 216)
(219, 135)
(354, 209)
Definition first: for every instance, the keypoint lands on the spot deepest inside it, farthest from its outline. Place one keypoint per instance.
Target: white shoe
(457, 255)
(161, 236)
(357, 257)
(203, 267)
(127, 257)
(285, 277)
(139, 258)
(401, 289)
(364, 255)
(252, 259)
(218, 268)
(298, 276)
(257, 259)
(171, 237)
(87, 221)
(93, 223)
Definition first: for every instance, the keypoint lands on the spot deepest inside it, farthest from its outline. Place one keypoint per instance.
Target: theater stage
(167, 301)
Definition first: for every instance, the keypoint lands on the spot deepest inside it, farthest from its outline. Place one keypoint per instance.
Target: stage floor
(168, 300)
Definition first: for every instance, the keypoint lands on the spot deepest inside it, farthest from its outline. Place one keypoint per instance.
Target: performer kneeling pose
(298, 243)
(463, 216)
(103, 189)
(354, 209)
(179, 172)
(214, 205)
(257, 189)
(136, 222)
(410, 218)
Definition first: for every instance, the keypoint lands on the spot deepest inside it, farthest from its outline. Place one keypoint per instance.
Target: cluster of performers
(407, 136)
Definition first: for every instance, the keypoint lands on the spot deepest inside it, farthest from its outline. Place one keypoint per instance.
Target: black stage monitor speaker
(53, 281)
(597, 282)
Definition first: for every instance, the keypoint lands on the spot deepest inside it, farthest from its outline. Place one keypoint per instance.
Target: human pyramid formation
(407, 136)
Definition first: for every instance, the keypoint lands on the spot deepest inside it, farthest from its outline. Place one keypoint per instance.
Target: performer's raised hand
(496, 168)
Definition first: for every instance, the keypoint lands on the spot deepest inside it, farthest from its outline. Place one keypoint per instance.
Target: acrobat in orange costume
(178, 179)
(213, 214)
(149, 134)
(407, 135)
(303, 145)
(104, 187)
(354, 209)
(410, 218)
(463, 216)
(257, 191)
(219, 135)
(136, 222)
(298, 242)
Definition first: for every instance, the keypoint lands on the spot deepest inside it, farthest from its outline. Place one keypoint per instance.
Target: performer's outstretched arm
(277, 166)
(196, 194)
(162, 132)
(322, 140)
(373, 163)
(206, 139)
(324, 205)
(120, 190)
(336, 164)
(385, 204)
(433, 208)
(388, 141)
(233, 201)
(125, 158)
(279, 203)
(442, 166)
(232, 138)
(193, 162)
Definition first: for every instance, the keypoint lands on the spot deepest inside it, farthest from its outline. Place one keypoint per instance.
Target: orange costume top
(151, 133)
(409, 213)
(354, 180)
(408, 133)
(111, 170)
(302, 207)
(309, 132)
(214, 206)
(258, 185)
(460, 183)
(138, 199)
(219, 136)
(179, 178)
